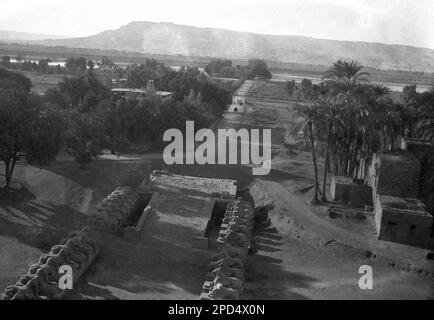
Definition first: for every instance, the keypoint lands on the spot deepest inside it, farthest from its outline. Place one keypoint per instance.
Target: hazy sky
(408, 22)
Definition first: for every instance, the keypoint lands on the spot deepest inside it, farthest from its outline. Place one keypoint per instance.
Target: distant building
(142, 93)
(134, 92)
(176, 68)
(122, 81)
(239, 100)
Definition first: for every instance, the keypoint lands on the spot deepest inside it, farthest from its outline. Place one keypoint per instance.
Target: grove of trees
(27, 127)
(254, 68)
(354, 119)
(41, 66)
(82, 117)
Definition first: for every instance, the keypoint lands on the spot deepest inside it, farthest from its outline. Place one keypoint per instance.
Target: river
(398, 87)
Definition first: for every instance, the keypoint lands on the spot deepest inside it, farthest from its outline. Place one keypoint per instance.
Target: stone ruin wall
(226, 274)
(113, 212)
(78, 250)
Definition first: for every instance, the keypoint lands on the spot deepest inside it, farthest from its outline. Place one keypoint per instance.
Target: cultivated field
(42, 82)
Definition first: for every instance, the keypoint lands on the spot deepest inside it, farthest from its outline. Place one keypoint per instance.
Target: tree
(290, 86)
(82, 93)
(312, 116)
(76, 65)
(306, 88)
(84, 138)
(330, 111)
(191, 98)
(90, 64)
(106, 63)
(215, 66)
(346, 81)
(26, 129)
(6, 59)
(43, 65)
(258, 68)
(44, 137)
(424, 127)
(345, 77)
(118, 119)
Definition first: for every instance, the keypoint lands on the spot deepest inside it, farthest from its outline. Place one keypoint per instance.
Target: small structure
(238, 104)
(122, 81)
(346, 190)
(415, 145)
(403, 220)
(399, 216)
(183, 207)
(239, 100)
(142, 93)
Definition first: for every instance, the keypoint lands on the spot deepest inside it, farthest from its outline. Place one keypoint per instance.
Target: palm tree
(312, 115)
(345, 80)
(425, 113)
(331, 112)
(345, 77)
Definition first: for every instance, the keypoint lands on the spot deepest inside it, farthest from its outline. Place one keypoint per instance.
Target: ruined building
(399, 215)
(391, 183)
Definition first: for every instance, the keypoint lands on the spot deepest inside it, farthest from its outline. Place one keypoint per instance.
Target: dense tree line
(73, 66)
(223, 68)
(81, 116)
(41, 66)
(181, 83)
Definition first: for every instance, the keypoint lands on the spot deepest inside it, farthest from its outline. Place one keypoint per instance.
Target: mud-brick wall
(343, 189)
(411, 226)
(398, 177)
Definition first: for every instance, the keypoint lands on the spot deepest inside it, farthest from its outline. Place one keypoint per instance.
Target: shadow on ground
(266, 280)
(36, 223)
(150, 269)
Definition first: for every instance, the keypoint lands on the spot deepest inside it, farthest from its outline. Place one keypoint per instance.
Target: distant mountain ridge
(25, 36)
(168, 38)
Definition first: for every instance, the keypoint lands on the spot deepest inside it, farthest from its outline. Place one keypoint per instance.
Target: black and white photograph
(216, 154)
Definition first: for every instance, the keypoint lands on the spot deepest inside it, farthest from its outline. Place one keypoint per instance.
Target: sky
(408, 22)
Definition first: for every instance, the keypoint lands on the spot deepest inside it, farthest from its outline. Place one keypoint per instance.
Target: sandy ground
(288, 268)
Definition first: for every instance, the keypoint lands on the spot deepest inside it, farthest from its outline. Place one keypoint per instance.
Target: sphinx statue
(220, 292)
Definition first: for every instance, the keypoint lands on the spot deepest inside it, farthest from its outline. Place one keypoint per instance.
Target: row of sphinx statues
(41, 282)
(226, 274)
